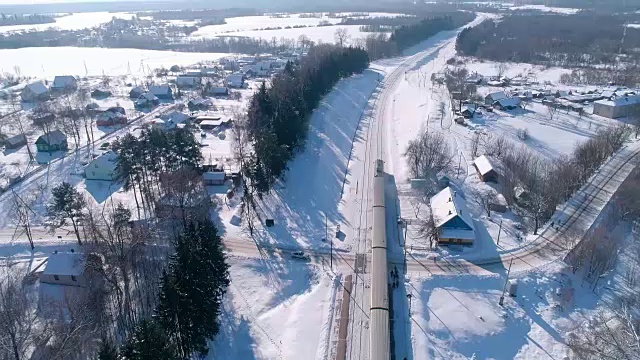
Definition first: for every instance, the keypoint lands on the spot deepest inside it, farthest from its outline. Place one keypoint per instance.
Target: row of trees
(189, 302)
(543, 184)
(154, 153)
(277, 117)
(560, 40)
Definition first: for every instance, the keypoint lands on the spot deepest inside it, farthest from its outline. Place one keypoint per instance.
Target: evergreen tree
(149, 342)
(192, 290)
(67, 203)
(106, 351)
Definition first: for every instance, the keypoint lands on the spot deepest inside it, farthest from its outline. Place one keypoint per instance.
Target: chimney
(449, 212)
(55, 251)
(72, 251)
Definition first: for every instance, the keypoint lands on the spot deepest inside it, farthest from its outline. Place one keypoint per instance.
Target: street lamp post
(501, 302)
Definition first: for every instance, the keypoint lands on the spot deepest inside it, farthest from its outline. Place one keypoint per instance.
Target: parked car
(300, 255)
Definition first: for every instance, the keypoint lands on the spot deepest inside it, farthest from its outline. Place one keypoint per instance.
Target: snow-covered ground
(544, 8)
(47, 62)
(248, 25)
(75, 21)
(324, 34)
(276, 309)
(536, 73)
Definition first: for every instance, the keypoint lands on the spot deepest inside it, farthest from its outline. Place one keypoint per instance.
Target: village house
(235, 81)
(507, 103)
(162, 92)
(136, 92)
(485, 169)
(36, 91)
(493, 97)
(211, 122)
(112, 116)
(100, 93)
(53, 141)
(147, 100)
(218, 91)
(199, 104)
(15, 142)
(103, 167)
(213, 178)
(618, 107)
(468, 110)
(158, 124)
(184, 206)
(65, 282)
(63, 84)
(452, 218)
(174, 118)
(183, 81)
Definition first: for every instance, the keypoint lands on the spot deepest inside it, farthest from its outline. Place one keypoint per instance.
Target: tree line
(560, 40)
(277, 116)
(144, 160)
(15, 19)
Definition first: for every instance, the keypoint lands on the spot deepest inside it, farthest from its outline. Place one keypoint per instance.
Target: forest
(10, 20)
(277, 118)
(555, 40)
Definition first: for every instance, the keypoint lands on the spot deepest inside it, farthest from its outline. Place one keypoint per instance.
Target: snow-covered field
(320, 34)
(276, 309)
(544, 8)
(47, 62)
(248, 25)
(75, 21)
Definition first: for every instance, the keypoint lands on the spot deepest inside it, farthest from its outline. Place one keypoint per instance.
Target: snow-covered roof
(497, 95)
(54, 137)
(448, 204)
(14, 140)
(235, 78)
(149, 96)
(65, 264)
(108, 158)
(218, 90)
(213, 175)
(186, 80)
(620, 101)
(37, 88)
(211, 123)
(176, 117)
(159, 89)
(514, 101)
(450, 233)
(483, 164)
(61, 82)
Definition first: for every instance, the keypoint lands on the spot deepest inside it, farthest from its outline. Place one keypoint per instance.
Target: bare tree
(428, 155)
(18, 318)
(21, 212)
(341, 36)
(552, 110)
(488, 199)
(475, 143)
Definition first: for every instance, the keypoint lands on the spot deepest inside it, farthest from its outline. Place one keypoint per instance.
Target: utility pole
(499, 232)
(409, 296)
(459, 162)
(501, 302)
(404, 223)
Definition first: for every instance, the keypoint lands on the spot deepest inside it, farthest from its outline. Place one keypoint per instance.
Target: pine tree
(67, 204)
(106, 351)
(149, 342)
(192, 290)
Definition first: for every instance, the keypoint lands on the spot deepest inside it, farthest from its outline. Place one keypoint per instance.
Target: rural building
(100, 93)
(198, 104)
(111, 117)
(162, 92)
(64, 83)
(618, 107)
(158, 124)
(187, 81)
(174, 118)
(103, 167)
(493, 97)
(468, 110)
(212, 122)
(53, 141)
(194, 205)
(65, 269)
(136, 92)
(507, 103)
(36, 91)
(235, 81)
(212, 178)
(218, 91)
(147, 100)
(485, 169)
(452, 218)
(15, 142)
